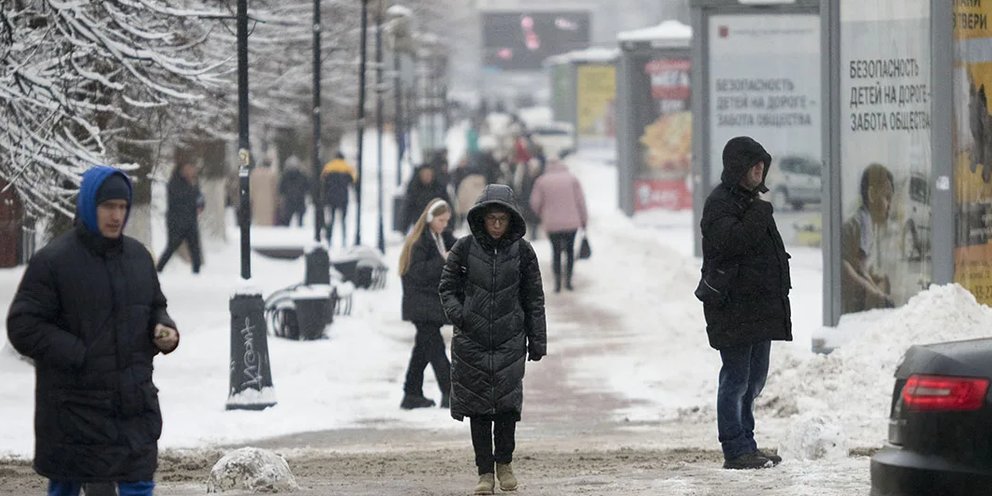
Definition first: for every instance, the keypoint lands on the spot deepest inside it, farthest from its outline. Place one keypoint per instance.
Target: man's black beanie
(114, 187)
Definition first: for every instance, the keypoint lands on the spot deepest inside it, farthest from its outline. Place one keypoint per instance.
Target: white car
(556, 138)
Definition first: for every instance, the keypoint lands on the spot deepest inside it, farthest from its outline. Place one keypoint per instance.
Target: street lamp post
(361, 121)
(378, 121)
(318, 204)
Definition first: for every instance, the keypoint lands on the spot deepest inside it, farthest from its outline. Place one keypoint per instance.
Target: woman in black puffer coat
(491, 290)
(421, 261)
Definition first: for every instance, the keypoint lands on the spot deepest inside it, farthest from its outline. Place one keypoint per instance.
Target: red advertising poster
(665, 154)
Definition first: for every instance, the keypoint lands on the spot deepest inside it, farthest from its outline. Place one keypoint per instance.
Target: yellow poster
(596, 88)
(973, 147)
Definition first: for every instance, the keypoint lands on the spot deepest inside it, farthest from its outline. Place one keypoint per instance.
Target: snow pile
(854, 383)
(251, 469)
(814, 437)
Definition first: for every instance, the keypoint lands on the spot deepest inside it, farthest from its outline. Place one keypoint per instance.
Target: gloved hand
(533, 353)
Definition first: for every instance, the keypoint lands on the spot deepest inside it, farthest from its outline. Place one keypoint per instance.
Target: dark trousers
(70, 488)
(428, 347)
(562, 241)
(742, 378)
(501, 429)
(293, 210)
(191, 235)
(332, 213)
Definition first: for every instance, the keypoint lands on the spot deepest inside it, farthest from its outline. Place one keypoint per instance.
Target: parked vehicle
(916, 229)
(940, 425)
(794, 181)
(555, 137)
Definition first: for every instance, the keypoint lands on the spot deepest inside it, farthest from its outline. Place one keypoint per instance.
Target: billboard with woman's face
(885, 152)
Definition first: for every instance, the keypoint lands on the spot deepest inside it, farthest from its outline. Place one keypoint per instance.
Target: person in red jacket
(559, 202)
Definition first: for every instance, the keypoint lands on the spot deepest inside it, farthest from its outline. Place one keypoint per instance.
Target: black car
(940, 427)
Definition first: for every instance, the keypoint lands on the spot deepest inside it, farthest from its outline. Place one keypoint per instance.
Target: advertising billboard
(764, 82)
(662, 120)
(521, 40)
(885, 152)
(973, 148)
(596, 93)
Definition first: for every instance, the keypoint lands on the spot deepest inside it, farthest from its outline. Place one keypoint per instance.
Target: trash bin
(364, 270)
(311, 311)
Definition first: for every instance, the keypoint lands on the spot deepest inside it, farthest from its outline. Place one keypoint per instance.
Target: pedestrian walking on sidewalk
(421, 262)
(491, 290)
(337, 178)
(182, 219)
(90, 312)
(559, 203)
(746, 271)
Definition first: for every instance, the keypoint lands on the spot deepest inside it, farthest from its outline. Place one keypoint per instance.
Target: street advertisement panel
(562, 97)
(973, 147)
(885, 152)
(765, 83)
(521, 40)
(596, 89)
(661, 117)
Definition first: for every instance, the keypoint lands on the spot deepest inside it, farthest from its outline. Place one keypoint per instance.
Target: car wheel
(780, 199)
(797, 205)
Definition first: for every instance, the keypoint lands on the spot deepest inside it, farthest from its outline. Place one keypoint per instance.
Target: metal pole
(318, 204)
(378, 120)
(243, 146)
(398, 118)
(361, 121)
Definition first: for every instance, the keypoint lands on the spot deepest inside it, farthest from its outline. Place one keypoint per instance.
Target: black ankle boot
(410, 402)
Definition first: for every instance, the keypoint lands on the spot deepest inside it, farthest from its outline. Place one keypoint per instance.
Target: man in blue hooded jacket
(90, 312)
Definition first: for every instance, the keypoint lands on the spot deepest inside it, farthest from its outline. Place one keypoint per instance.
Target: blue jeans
(71, 488)
(742, 378)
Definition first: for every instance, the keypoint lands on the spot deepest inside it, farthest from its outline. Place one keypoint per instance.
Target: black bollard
(318, 270)
(251, 377)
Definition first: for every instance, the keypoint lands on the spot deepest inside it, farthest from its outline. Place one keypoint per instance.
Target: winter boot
(557, 283)
(411, 401)
(507, 481)
(747, 461)
(486, 485)
(774, 458)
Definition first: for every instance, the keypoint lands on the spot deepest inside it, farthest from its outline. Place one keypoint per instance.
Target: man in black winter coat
(745, 261)
(423, 188)
(90, 312)
(491, 291)
(182, 224)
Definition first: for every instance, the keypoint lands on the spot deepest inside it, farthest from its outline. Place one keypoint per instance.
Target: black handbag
(714, 285)
(585, 251)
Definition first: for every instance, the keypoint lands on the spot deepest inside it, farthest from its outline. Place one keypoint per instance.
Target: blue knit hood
(86, 201)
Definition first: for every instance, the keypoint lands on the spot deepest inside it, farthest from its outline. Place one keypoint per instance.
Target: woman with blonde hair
(421, 261)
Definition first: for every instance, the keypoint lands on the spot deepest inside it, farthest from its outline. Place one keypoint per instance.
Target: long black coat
(419, 195)
(421, 302)
(85, 311)
(182, 208)
(739, 234)
(491, 290)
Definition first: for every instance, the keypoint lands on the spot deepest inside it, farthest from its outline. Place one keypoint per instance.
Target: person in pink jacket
(558, 201)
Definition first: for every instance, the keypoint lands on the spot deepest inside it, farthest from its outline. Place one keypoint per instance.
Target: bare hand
(166, 338)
